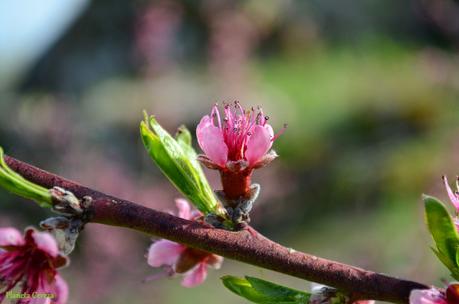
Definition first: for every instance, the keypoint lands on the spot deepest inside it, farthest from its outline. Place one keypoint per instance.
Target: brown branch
(241, 246)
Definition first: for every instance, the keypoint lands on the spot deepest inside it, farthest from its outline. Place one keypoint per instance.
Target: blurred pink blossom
(156, 31)
(32, 260)
(233, 38)
(428, 296)
(436, 296)
(178, 258)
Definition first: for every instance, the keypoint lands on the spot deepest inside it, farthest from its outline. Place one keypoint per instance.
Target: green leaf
(453, 268)
(264, 292)
(15, 183)
(443, 232)
(177, 160)
(444, 259)
(183, 137)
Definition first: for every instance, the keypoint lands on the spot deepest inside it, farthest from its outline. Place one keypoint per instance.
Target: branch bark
(240, 246)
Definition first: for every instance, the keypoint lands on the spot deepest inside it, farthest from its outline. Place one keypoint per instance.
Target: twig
(241, 246)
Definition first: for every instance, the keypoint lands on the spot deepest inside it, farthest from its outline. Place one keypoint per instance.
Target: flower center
(237, 127)
(28, 264)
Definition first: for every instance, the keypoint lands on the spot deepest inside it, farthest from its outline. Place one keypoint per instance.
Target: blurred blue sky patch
(28, 28)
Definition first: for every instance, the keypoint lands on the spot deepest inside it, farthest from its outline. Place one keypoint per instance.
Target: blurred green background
(368, 88)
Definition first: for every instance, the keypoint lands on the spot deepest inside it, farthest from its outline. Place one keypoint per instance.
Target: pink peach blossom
(240, 135)
(31, 260)
(178, 258)
(236, 145)
(427, 296)
(436, 296)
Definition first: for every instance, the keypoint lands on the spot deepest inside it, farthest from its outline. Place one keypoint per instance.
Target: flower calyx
(238, 210)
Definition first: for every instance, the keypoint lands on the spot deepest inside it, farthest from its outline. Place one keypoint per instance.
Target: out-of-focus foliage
(369, 90)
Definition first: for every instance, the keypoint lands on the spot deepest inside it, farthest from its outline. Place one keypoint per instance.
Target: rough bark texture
(241, 246)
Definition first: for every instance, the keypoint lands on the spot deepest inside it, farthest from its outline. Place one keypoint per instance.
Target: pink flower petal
(183, 208)
(210, 139)
(39, 300)
(259, 143)
(58, 289)
(45, 242)
(195, 214)
(270, 130)
(61, 290)
(427, 296)
(10, 237)
(195, 276)
(164, 252)
(215, 261)
(452, 196)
